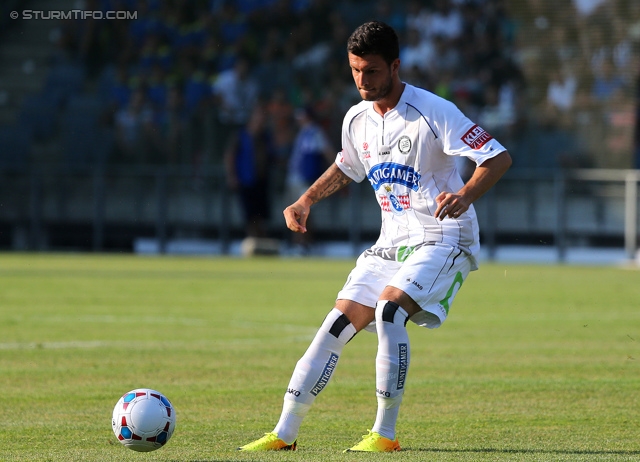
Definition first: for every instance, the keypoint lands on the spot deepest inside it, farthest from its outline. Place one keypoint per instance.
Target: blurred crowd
(260, 87)
(557, 79)
(582, 62)
(511, 66)
(186, 68)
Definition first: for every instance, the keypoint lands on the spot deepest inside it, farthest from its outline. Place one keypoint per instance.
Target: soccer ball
(143, 420)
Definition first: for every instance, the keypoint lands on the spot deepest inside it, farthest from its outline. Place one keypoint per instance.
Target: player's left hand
(450, 205)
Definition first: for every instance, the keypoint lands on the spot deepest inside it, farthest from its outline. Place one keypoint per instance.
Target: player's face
(372, 75)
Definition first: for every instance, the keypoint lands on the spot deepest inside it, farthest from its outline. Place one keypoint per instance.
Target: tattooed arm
(330, 181)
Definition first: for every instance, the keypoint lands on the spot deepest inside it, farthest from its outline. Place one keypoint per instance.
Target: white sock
(387, 416)
(392, 364)
(313, 372)
(290, 420)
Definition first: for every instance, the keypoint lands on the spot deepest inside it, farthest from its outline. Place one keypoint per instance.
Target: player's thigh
(364, 286)
(432, 276)
(359, 315)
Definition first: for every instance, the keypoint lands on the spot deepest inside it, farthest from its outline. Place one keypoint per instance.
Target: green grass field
(536, 363)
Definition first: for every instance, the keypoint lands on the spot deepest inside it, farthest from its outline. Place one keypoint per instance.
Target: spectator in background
(235, 95)
(445, 20)
(417, 17)
(311, 155)
(497, 115)
(157, 87)
(282, 127)
(134, 129)
(247, 158)
(619, 116)
(117, 88)
(447, 57)
(417, 51)
(606, 83)
(561, 94)
(314, 54)
(172, 122)
(587, 7)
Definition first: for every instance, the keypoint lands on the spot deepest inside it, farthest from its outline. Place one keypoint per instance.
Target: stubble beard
(382, 93)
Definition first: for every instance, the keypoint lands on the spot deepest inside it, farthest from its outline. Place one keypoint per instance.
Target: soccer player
(404, 140)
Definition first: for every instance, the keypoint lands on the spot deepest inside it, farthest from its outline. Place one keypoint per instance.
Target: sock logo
(293, 392)
(403, 362)
(326, 375)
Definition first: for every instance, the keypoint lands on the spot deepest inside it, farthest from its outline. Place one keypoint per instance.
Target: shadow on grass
(612, 452)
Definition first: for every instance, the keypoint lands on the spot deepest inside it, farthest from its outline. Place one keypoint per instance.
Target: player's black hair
(374, 38)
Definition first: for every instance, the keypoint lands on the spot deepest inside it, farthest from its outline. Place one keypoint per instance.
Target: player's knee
(338, 324)
(391, 312)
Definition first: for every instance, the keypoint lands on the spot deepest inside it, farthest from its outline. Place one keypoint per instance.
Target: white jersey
(408, 156)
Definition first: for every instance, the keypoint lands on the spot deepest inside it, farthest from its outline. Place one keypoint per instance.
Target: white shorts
(431, 275)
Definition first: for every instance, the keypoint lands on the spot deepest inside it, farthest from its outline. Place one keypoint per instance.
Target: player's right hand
(450, 205)
(296, 217)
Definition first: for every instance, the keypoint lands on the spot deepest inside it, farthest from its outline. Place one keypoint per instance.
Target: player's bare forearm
(486, 175)
(331, 181)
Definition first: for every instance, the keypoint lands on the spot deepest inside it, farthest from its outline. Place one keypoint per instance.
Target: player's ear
(395, 66)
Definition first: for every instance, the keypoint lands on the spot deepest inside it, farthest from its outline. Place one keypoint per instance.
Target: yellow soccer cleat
(269, 442)
(375, 442)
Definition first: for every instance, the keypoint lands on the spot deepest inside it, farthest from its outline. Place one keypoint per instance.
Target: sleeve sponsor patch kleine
(476, 137)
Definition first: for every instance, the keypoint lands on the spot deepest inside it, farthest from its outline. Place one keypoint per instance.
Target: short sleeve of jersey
(462, 137)
(348, 160)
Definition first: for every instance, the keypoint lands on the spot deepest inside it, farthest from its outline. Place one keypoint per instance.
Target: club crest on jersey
(389, 202)
(476, 137)
(404, 144)
(392, 173)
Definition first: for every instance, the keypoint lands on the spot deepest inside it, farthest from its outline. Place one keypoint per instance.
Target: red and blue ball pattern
(143, 420)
